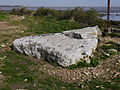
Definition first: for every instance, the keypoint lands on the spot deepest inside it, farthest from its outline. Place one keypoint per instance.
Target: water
(115, 11)
(8, 8)
(113, 17)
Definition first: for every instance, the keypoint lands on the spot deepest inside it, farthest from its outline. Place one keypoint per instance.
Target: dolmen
(66, 48)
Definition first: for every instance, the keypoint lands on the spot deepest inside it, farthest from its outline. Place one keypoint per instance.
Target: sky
(59, 2)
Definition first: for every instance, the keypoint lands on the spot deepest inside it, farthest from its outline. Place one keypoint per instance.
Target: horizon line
(55, 6)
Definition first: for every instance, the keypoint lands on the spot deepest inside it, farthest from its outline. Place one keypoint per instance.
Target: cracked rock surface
(66, 48)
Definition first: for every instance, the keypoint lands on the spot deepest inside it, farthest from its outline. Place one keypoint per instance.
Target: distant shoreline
(98, 9)
(57, 6)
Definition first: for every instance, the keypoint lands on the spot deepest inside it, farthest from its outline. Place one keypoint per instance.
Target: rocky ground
(107, 70)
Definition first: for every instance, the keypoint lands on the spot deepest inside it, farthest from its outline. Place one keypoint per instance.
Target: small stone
(89, 68)
(109, 81)
(99, 66)
(73, 78)
(107, 69)
(96, 74)
(53, 72)
(112, 50)
(68, 73)
(77, 77)
(62, 87)
(2, 57)
(118, 43)
(118, 61)
(82, 86)
(117, 74)
(106, 54)
(97, 86)
(3, 45)
(22, 31)
(25, 80)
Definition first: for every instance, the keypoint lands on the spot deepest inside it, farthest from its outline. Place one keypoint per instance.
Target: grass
(94, 62)
(44, 25)
(3, 16)
(16, 68)
(113, 84)
(113, 35)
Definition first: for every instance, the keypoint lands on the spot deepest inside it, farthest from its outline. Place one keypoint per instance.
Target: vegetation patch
(16, 70)
(3, 16)
(86, 18)
(44, 25)
(104, 84)
(113, 35)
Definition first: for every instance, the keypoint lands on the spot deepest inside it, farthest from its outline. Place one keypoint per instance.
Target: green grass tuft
(3, 16)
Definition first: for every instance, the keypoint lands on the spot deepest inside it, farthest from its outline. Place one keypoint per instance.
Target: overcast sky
(59, 2)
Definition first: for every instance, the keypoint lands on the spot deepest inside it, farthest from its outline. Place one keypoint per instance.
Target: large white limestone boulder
(62, 48)
(85, 33)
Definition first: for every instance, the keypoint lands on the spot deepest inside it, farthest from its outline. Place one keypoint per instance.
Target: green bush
(21, 11)
(91, 16)
(79, 15)
(41, 12)
(47, 12)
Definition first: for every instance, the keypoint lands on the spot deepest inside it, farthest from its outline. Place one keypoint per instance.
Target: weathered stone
(117, 44)
(3, 45)
(98, 30)
(112, 50)
(85, 33)
(58, 47)
(106, 54)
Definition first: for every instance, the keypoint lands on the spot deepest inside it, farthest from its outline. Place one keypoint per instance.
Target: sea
(114, 11)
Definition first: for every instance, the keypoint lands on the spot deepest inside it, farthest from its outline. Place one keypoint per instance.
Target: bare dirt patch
(5, 25)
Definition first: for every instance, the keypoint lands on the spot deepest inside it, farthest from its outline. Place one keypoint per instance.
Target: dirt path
(5, 25)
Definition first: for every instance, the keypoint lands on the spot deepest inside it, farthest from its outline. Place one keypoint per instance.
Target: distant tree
(14, 11)
(91, 16)
(21, 11)
(42, 12)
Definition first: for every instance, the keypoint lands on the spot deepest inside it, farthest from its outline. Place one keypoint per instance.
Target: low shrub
(21, 11)
(89, 17)
(47, 12)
